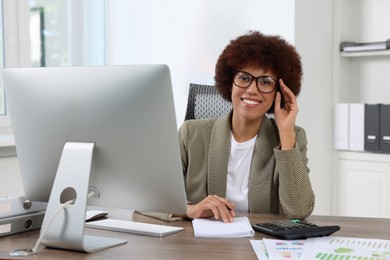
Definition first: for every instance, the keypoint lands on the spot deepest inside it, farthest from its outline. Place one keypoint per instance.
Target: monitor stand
(65, 228)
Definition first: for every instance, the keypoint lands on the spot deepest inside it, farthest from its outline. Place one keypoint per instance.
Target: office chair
(204, 101)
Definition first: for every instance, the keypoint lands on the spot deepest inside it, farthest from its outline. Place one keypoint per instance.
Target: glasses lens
(242, 79)
(266, 84)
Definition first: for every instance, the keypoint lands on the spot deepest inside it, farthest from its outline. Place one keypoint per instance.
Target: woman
(246, 161)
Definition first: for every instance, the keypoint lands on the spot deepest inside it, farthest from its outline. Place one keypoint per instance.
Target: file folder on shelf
(371, 127)
(356, 126)
(385, 129)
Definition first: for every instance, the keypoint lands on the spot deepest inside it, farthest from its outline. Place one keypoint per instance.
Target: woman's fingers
(213, 206)
(287, 95)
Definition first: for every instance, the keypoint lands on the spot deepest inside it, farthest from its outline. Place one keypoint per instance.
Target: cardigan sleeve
(295, 191)
(183, 140)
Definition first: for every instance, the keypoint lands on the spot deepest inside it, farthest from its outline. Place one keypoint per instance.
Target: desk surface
(184, 245)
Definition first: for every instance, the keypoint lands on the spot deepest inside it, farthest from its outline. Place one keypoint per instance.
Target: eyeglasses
(265, 84)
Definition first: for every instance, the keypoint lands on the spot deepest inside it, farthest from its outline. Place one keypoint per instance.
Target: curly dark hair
(265, 51)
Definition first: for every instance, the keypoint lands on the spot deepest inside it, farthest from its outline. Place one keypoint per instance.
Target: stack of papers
(208, 228)
(322, 248)
(366, 46)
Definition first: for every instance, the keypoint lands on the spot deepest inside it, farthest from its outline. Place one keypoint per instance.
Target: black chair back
(204, 101)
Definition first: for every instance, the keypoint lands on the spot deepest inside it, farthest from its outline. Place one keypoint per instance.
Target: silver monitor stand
(65, 228)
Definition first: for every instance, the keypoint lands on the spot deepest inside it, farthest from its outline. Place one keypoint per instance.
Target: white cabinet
(364, 181)
(361, 179)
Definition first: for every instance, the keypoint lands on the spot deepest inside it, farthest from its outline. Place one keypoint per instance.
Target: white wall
(188, 35)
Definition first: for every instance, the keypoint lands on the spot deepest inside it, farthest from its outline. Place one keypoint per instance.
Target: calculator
(294, 229)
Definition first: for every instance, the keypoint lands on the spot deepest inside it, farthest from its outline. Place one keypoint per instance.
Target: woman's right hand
(212, 206)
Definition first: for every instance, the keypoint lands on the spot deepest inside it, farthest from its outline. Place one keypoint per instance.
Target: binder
(356, 126)
(350, 46)
(371, 127)
(341, 126)
(17, 224)
(385, 128)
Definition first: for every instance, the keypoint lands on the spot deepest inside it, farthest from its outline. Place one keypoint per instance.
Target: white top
(240, 159)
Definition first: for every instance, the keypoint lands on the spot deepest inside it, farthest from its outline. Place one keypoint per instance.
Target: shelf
(363, 156)
(364, 53)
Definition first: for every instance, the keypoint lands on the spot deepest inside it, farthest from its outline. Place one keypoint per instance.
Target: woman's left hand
(285, 117)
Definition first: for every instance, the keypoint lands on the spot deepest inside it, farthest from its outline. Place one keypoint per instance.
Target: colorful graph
(344, 248)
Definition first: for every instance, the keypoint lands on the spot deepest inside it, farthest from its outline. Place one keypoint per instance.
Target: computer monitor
(114, 124)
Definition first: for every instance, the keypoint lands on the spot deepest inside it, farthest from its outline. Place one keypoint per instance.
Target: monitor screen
(127, 112)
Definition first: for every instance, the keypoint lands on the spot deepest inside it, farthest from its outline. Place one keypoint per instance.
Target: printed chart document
(322, 248)
(209, 228)
(259, 248)
(275, 249)
(346, 248)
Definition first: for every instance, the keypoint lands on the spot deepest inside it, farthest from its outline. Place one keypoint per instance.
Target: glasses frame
(255, 78)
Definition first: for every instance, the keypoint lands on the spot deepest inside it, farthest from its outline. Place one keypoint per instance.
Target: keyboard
(294, 229)
(139, 228)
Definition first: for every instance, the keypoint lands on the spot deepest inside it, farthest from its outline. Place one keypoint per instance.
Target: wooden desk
(184, 245)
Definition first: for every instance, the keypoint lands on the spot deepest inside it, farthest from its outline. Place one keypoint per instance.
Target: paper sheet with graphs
(329, 248)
